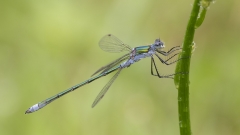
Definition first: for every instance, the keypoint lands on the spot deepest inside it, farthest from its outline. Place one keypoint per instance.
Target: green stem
(183, 66)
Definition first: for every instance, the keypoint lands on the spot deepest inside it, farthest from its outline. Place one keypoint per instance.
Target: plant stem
(183, 66)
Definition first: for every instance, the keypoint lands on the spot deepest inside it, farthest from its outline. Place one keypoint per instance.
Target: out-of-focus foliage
(48, 46)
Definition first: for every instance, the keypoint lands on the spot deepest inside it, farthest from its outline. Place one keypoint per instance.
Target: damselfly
(112, 44)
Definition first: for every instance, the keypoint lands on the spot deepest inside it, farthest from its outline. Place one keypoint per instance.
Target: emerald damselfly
(112, 44)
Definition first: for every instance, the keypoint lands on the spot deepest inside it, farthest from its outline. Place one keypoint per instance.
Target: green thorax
(142, 49)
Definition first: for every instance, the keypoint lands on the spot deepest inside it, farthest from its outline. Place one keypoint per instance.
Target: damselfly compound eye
(158, 43)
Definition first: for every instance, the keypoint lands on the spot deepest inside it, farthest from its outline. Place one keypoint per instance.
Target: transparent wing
(110, 43)
(112, 64)
(105, 89)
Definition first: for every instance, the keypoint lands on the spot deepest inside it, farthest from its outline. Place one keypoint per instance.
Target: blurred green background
(49, 46)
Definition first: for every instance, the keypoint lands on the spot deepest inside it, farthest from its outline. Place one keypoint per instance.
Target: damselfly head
(159, 44)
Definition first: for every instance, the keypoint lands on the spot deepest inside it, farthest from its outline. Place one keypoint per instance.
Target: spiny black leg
(153, 62)
(171, 58)
(170, 51)
(161, 76)
(166, 76)
(178, 48)
(165, 62)
(151, 66)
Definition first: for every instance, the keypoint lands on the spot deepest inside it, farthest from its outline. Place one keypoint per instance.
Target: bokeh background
(49, 46)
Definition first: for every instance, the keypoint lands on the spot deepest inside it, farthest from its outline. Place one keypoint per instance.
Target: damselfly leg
(153, 64)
